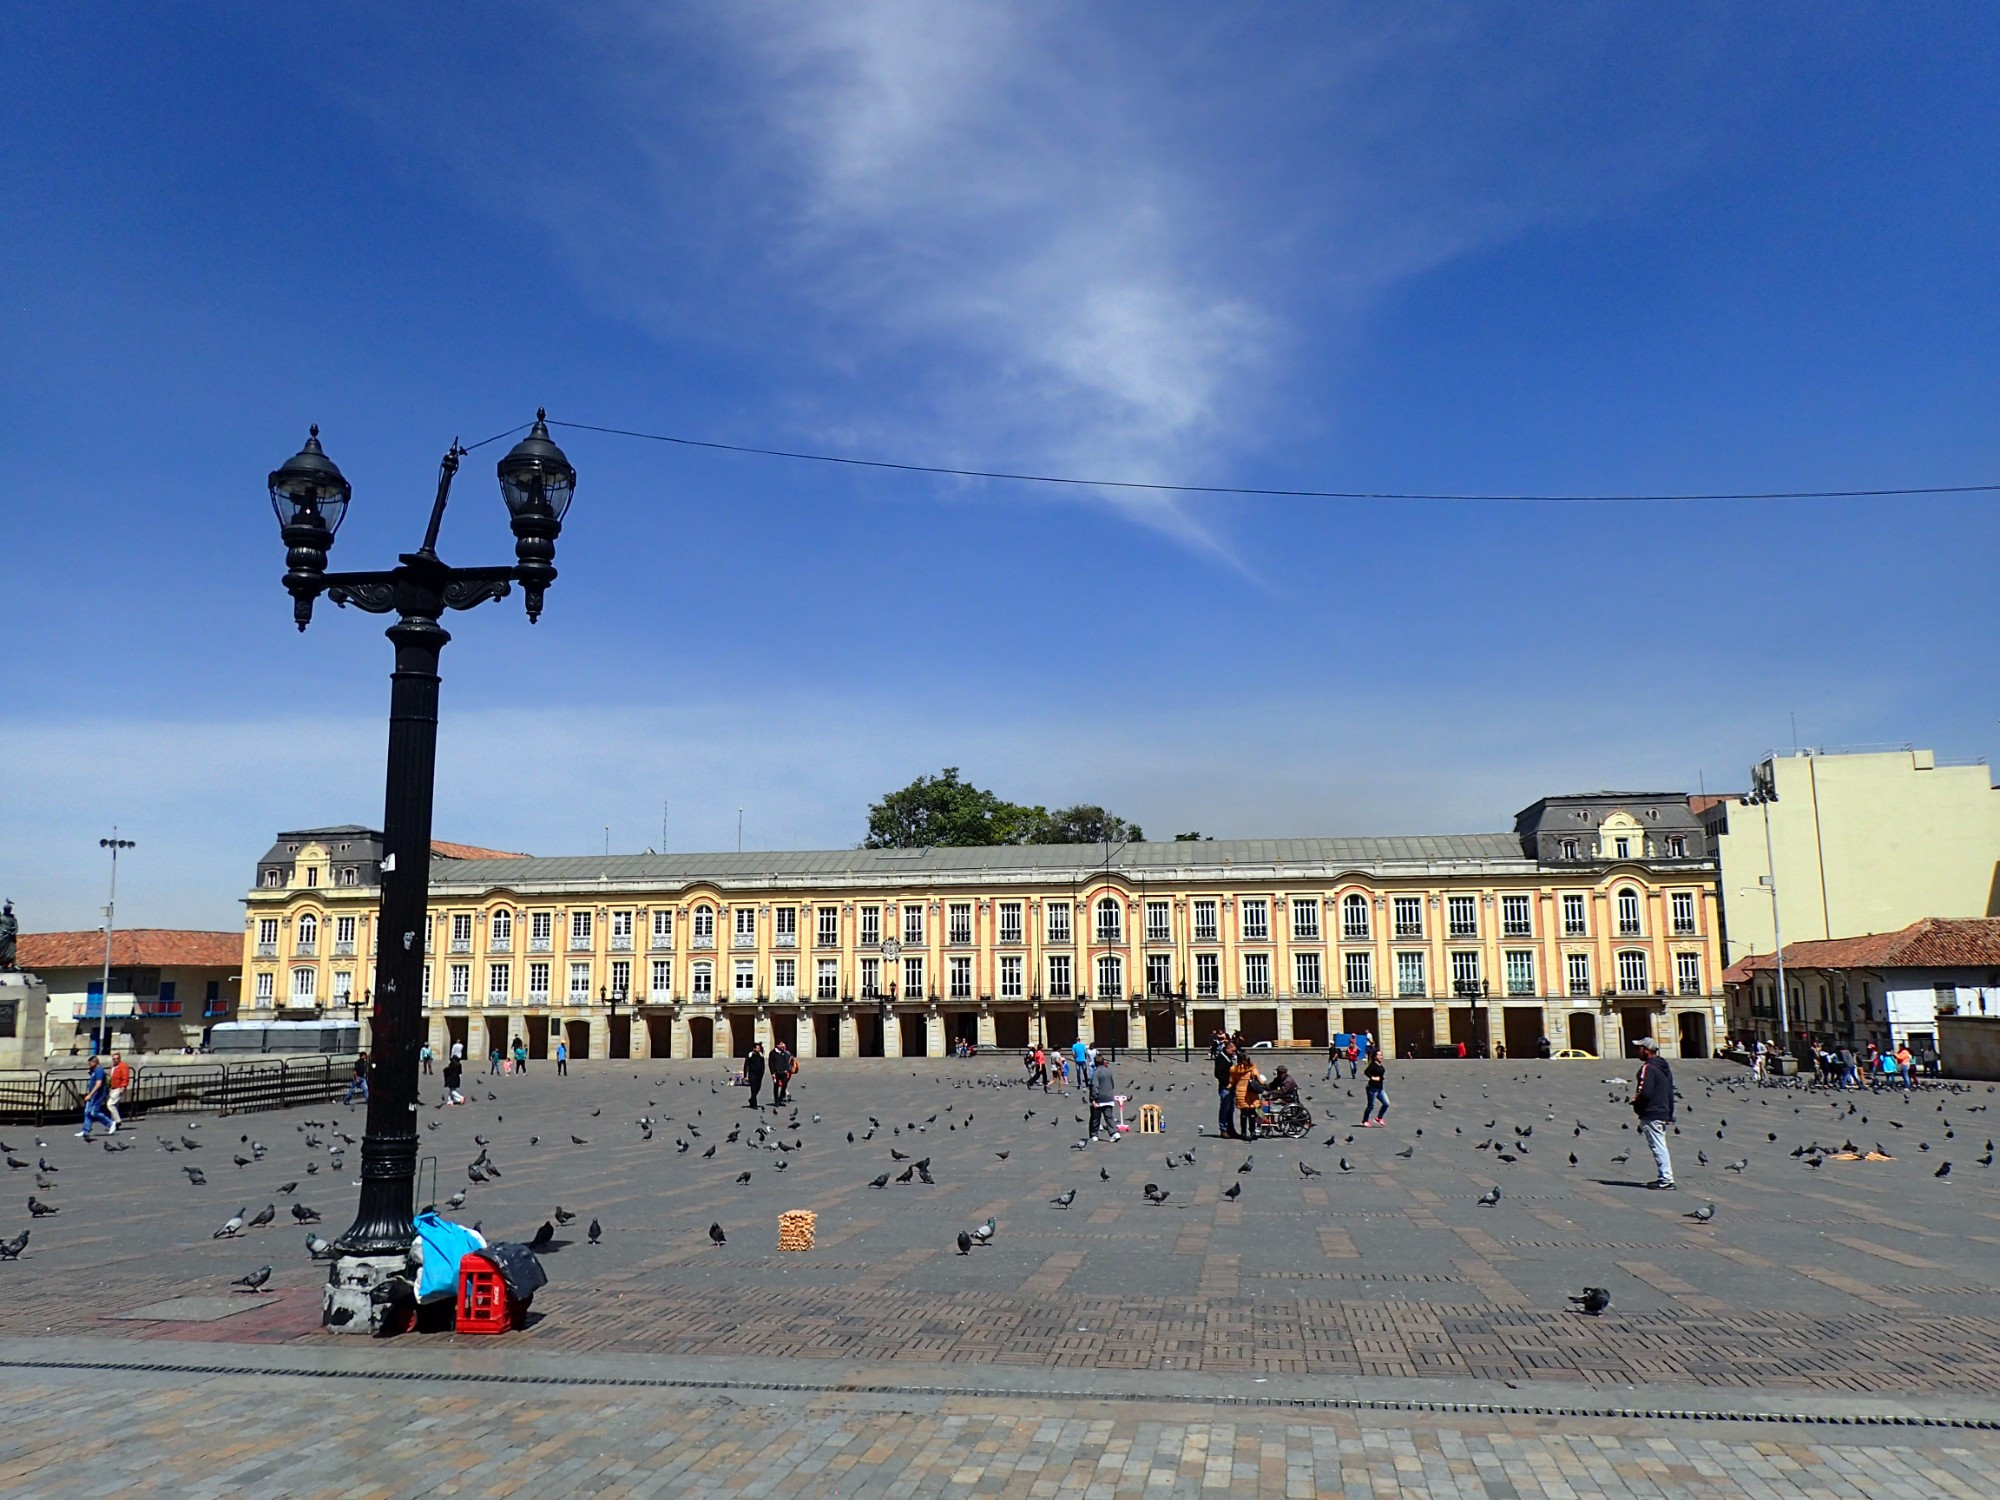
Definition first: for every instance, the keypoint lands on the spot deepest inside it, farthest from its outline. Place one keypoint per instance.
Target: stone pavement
(1855, 1283)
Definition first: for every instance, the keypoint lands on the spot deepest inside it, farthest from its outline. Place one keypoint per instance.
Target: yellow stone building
(1593, 923)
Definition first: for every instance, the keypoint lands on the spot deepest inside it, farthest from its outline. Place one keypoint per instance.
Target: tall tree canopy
(945, 811)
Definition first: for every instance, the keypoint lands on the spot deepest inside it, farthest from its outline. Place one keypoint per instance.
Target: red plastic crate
(483, 1303)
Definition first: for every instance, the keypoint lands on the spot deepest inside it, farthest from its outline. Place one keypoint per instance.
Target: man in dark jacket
(1653, 1103)
(1222, 1057)
(1103, 1099)
(783, 1065)
(753, 1072)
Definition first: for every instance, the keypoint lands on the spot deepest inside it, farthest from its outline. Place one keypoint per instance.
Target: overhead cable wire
(1262, 491)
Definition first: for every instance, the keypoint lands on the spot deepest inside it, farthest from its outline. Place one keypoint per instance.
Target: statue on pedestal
(9, 930)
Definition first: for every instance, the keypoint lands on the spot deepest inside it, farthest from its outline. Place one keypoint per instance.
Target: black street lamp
(310, 497)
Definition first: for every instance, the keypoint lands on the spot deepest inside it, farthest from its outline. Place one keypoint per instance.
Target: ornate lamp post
(310, 496)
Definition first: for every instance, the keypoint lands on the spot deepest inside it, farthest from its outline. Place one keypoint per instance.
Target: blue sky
(1547, 248)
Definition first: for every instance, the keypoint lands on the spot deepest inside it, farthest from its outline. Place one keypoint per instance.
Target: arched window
(1628, 912)
(704, 924)
(1110, 920)
(308, 931)
(1354, 917)
(1110, 977)
(1631, 971)
(704, 983)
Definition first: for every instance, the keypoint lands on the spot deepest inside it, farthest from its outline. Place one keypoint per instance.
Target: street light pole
(114, 844)
(310, 496)
(1763, 792)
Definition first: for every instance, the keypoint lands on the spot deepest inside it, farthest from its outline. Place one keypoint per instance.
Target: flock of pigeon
(773, 1137)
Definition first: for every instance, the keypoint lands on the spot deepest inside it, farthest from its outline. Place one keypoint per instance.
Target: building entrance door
(1416, 1031)
(701, 1037)
(660, 1035)
(1523, 1029)
(1583, 1032)
(1694, 1034)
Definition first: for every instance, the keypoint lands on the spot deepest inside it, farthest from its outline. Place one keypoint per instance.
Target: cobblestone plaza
(1374, 1330)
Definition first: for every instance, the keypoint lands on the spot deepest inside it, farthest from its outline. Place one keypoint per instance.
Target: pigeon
(1346, 1165)
(716, 1236)
(190, 1145)
(907, 1174)
(1593, 1301)
(1249, 1164)
(304, 1214)
(1003, 1155)
(473, 1171)
(1306, 1171)
(1103, 1175)
(964, 1243)
(1490, 1197)
(984, 1233)
(320, 1249)
(1738, 1166)
(1065, 1200)
(228, 1231)
(741, 1178)
(1943, 1170)
(1407, 1152)
(195, 1176)
(11, 1249)
(596, 1231)
(895, 1155)
(1235, 1191)
(544, 1237)
(1702, 1157)
(265, 1215)
(255, 1280)
(1621, 1158)
(1703, 1214)
(285, 1188)
(880, 1182)
(577, 1140)
(708, 1153)
(456, 1200)
(564, 1216)
(43, 1163)
(241, 1162)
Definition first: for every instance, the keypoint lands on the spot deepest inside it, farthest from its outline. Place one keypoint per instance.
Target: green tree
(1086, 823)
(943, 811)
(1194, 838)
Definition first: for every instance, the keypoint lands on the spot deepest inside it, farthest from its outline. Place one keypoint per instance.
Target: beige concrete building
(168, 987)
(1863, 843)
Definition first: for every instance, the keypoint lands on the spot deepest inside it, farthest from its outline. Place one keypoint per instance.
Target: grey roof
(1219, 858)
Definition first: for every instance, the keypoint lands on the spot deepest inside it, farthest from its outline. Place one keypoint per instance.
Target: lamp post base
(368, 1294)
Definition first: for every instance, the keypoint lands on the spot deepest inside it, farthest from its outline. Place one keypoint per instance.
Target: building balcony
(343, 950)
(538, 997)
(461, 945)
(1409, 991)
(170, 1009)
(1684, 929)
(658, 997)
(1629, 930)
(497, 997)
(621, 942)
(267, 950)
(702, 942)
(541, 945)
(1366, 992)
(306, 950)
(581, 945)
(1464, 934)
(743, 942)
(1409, 934)
(500, 945)
(661, 944)
(1515, 932)
(785, 940)
(579, 997)
(785, 994)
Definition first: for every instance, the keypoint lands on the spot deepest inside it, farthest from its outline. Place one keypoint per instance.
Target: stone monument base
(24, 1021)
(368, 1294)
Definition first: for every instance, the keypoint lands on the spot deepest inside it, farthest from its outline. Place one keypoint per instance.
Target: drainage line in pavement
(1312, 1403)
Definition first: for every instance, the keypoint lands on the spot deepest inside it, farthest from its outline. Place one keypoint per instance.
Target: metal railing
(224, 1088)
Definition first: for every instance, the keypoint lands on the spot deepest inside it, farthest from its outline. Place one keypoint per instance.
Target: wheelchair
(1285, 1121)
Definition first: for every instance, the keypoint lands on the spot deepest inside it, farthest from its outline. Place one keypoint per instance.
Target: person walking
(1334, 1049)
(116, 1082)
(1378, 1093)
(1246, 1087)
(1039, 1060)
(753, 1073)
(424, 1057)
(1103, 1098)
(1354, 1051)
(93, 1096)
(454, 1072)
(1222, 1058)
(1653, 1103)
(783, 1066)
(520, 1057)
(493, 1060)
(1081, 1054)
(1905, 1065)
(458, 1052)
(358, 1084)
(562, 1059)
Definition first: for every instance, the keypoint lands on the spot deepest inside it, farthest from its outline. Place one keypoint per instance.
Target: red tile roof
(441, 849)
(146, 947)
(1701, 802)
(1931, 943)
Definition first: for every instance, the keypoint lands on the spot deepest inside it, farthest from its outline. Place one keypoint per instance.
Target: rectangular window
(1059, 976)
(1010, 921)
(621, 978)
(1159, 975)
(913, 925)
(538, 984)
(702, 986)
(1409, 911)
(871, 978)
(958, 918)
(305, 985)
(499, 983)
(1256, 920)
(1305, 919)
(1621, 848)
(1159, 922)
(1514, 917)
(1110, 977)
(312, 875)
(1631, 971)
(1687, 973)
(785, 926)
(1576, 971)
(461, 983)
(961, 978)
(1520, 971)
(1305, 974)
(579, 928)
(745, 983)
(1058, 921)
(1566, 849)
(1256, 975)
(501, 930)
(1205, 928)
(1574, 924)
(1683, 911)
(1628, 913)
(662, 986)
(1208, 975)
(1010, 977)
(828, 933)
(1410, 974)
(663, 928)
(826, 981)
(267, 937)
(1465, 976)
(579, 984)
(1677, 846)
(343, 986)
(746, 922)
(1354, 924)
(266, 985)
(913, 979)
(1463, 914)
(785, 978)
(343, 935)
(871, 926)
(1359, 973)
(541, 931)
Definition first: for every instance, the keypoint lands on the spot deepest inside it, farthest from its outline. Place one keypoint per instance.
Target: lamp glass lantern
(537, 481)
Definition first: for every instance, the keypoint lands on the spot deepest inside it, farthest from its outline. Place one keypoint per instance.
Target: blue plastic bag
(444, 1245)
